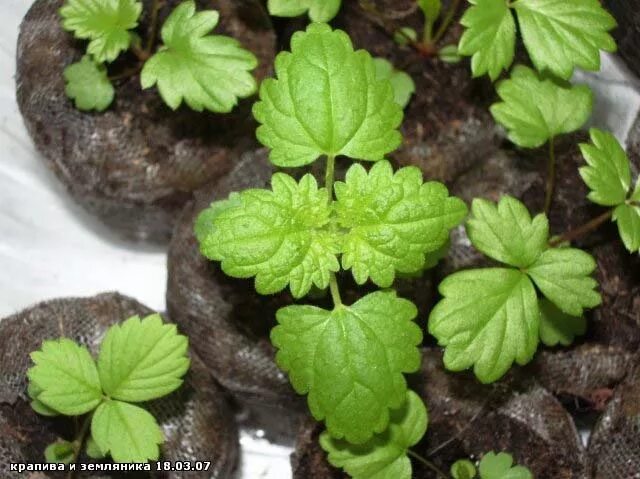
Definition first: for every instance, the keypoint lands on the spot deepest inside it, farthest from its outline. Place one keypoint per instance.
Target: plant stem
(128, 73)
(551, 176)
(582, 230)
(140, 54)
(78, 442)
(329, 176)
(446, 21)
(335, 291)
(153, 26)
(428, 464)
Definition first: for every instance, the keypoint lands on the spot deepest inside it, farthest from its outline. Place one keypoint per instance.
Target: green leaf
(326, 101)
(431, 9)
(506, 232)
(490, 37)
(608, 174)
(463, 469)
(206, 220)
(500, 466)
(449, 54)
(536, 109)
(88, 85)
(350, 360)
(106, 23)
(557, 327)
(563, 276)
(384, 455)
(488, 319)
(402, 83)
(66, 376)
(404, 35)
(127, 432)
(277, 236)
(319, 10)
(562, 35)
(93, 450)
(635, 196)
(141, 360)
(394, 220)
(34, 391)
(59, 452)
(206, 71)
(628, 219)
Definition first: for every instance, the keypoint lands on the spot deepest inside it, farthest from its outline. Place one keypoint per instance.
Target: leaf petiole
(446, 22)
(551, 176)
(582, 230)
(439, 473)
(79, 441)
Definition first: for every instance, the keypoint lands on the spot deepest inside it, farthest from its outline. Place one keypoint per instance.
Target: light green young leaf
(394, 220)
(463, 469)
(66, 376)
(350, 360)
(635, 196)
(404, 35)
(320, 11)
(490, 36)
(628, 219)
(59, 452)
(500, 466)
(431, 9)
(402, 83)
(276, 236)
(557, 327)
(326, 100)
(88, 85)
(127, 432)
(206, 71)
(141, 360)
(561, 35)
(384, 455)
(488, 319)
(563, 276)
(449, 54)
(608, 174)
(506, 232)
(93, 450)
(536, 109)
(34, 391)
(105, 22)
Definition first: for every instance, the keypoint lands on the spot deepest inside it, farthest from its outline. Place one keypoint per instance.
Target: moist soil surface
(196, 420)
(136, 164)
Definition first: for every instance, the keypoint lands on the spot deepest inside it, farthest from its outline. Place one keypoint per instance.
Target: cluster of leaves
(329, 100)
(318, 10)
(139, 360)
(491, 466)
(205, 71)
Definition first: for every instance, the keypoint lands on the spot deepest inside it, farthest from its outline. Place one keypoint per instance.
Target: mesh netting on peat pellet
(136, 164)
(196, 420)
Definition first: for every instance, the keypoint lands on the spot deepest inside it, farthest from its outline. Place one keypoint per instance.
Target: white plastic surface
(50, 248)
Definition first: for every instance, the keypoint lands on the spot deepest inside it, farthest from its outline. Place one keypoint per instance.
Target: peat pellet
(135, 165)
(196, 419)
(467, 419)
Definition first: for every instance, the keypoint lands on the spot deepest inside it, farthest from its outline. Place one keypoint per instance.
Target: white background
(50, 248)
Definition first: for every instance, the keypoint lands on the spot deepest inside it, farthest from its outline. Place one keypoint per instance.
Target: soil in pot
(197, 421)
(136, 164)
(467, 419)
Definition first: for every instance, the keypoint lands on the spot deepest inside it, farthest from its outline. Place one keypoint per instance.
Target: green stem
(335, 291)
(582, 230)
(446, 21)
(329, 176)
(428, 464)
(78, 442)
(551, 176)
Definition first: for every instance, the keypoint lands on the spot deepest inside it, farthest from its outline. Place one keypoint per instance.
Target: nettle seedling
(139, 360)
(207, 72)
(491, 466)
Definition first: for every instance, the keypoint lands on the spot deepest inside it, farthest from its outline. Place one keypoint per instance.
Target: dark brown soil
(627, 34)
(197, 421)
(136, 164)
(467, 419)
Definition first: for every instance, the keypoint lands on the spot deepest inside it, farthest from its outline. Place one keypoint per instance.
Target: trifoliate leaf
(384, 455)
(463, 469)
(319, 10)
(402, 83)
(127, 432)
(106, 23)
(608, 174)
(506, 232)
(557, 327)
(141, 360)
(88, 85)
(66, 376)
(206, 71)
(93, 450)
(276, 236)
(628, 219)
(490, 36)
(393, 220)
(488, 319)
(326, 100)
(536, 109)
(33, 391)
(60, 452)
(350, 360)
(500, 466)
(562, 35)
(563, 276)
